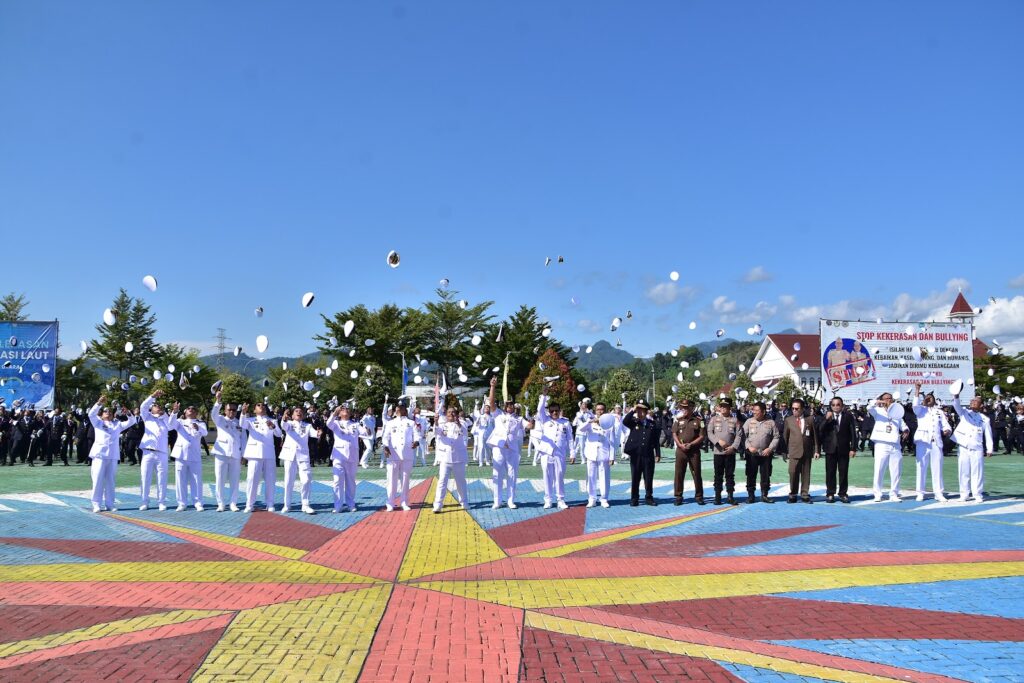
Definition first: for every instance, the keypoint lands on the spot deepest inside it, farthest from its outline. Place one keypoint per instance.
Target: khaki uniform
(725, 429)
(686, 431)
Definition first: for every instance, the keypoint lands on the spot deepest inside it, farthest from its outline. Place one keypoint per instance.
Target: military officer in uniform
(688, 434)
(400, 451)
(760, 439)
(260, 455)
(227, 452)
(344, 457)
(156, 424)
(723, 431)
(504, 440)
(105, 453)
(555, 444)
(932, 428)
(973, 436)
(643, 451)
(885, 435)
(599, 454)
(188, 459)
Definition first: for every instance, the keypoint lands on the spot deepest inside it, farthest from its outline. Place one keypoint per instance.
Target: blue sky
(789, 160)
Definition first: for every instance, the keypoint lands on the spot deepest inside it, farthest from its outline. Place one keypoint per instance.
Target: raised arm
(542, 408)
(490, 397)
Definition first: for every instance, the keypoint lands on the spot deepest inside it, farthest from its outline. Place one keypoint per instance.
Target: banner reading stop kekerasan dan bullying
(860, 360)
(28, 364)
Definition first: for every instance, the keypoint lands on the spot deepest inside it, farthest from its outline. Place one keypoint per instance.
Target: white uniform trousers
(504, 472)
(577, 448)
(368, 450)
(344, 472)
(188, 481)
(291, 468)
(532, 450)
(398, 480)
(154, 460)
(225, 473)
(264, 470)
(554, 477)
(451, 470)
(104, 474)
(971, 463)
(887, 456)
(929, 455)
(421, 452)
(598, 479)
(480, 450)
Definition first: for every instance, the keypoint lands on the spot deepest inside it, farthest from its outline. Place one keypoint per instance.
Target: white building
(797, 356)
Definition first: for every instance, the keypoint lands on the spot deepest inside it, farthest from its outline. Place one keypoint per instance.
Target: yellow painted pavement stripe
(269, 548)
(260, 571)
(539, 593)
(326, 637)
(442, 542)
(721, 654)
(109, 628)
(612, 538)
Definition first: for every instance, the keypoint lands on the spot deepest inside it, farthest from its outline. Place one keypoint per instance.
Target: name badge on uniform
(807, 432)
(888, 429)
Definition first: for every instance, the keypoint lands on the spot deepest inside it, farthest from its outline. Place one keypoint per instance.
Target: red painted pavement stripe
(555, 526)
(269, 527)
(573, 567)
(21, 622)
(776, 618)
(696, 545)
(169, 594)
(125, 551)
(445, 638)
(105, 643)
(374, 546)
(230, 549)
(692, 635)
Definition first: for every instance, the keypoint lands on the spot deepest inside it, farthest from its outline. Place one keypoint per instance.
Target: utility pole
(221, 338)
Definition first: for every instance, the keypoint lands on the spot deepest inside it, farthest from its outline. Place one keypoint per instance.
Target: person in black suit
(839, 442)
(643, 451)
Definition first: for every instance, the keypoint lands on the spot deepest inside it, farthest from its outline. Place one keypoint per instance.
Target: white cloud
(787, 300)
(663, 293)
(1003, 321)
(723, 304)
(1017, 282)
(757, 274)
(588, 325)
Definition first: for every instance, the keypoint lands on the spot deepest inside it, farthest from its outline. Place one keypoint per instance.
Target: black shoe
(750, 498)
(791, 499)
(651, 502)
(766, 499)
(845, 499)
(633, 503)
(47, 464)
(31, 464)
(807, 500)
(732, 501)
(679, 501)
(700, 501)
(718, 498)
(830, 498)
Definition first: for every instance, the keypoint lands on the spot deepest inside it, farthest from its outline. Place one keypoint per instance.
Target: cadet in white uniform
(105, 454)
(154, 448)
(188, 460)
(583, 417)
(535, 436)
(599, 454)
(227, 452)
(260, 456)
(555, 443)
(504, 442)
(400, 449)
(889, 429)
(932, 426)
(344, 457)
(973, 436)
(369, 437)
(295, 457)
(422, 426)
(482, 426)
(450, 446)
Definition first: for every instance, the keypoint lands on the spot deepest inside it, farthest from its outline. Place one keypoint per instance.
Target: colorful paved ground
(864, 592)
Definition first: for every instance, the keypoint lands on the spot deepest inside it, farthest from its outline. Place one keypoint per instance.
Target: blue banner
(28, 364)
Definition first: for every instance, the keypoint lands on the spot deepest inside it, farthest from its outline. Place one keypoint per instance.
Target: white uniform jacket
(597, 442)
(399, 436)
(886, 429)
(450, 443)
(189, 444)
(346, 439)
(108, 434)
(296, 440)
(260, 445)
(931, 423)
(507, 432)
(556, 435)
(974, 430)
(230, 436)
(154, 439)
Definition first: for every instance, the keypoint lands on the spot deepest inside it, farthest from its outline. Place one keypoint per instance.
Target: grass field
(1004, 474)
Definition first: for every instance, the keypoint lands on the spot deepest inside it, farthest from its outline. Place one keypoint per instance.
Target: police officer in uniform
(688, 434)
(760, 438)
(723, 431)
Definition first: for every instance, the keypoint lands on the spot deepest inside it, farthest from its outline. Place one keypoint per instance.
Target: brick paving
(911, 592)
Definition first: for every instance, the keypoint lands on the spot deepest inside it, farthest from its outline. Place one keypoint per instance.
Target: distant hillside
(255, 367)
(603, 355)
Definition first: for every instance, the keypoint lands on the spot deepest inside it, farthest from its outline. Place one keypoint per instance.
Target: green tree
(237, 388)
(691, 354)
(622, 381)
(191, 383)
(451, 329)
(523, 342)
(563, 390)
(391, 328)
(133, 324)
(12, 308)
(77, 384)
(687, 389)
(786, 390)
(1002, 367)
(286, 385)
(371, 388)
